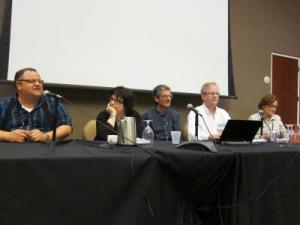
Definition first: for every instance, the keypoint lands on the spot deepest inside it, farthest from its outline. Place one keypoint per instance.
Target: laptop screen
(240, 130)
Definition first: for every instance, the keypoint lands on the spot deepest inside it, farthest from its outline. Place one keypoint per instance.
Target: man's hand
(37, 136)
(215, 136)
(17, 135)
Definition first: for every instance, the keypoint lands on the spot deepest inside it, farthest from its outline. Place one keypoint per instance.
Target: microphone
(97, 121)
(263, 121)
(54, 122)
(191, 108)
(213, 148)
(46, 92)
(262, 117)
(109, 128)
(261, 114)
(57, 96)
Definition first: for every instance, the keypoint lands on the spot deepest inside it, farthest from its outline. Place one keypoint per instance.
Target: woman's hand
(266, 136)
(112, 114)
(112, 111)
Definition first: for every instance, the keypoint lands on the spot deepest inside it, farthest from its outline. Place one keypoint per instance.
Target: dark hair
(127, 96)
(268, 99)
(20, 72)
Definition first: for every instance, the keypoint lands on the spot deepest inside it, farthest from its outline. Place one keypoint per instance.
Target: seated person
(271, 122)
(164, 119)
(214, 117)
(27, 116)
(119, 106)
(296, 129)
(294, 134)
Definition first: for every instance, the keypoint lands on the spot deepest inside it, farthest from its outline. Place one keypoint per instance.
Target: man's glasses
(212, 93)
(32, 81)
(166, 96)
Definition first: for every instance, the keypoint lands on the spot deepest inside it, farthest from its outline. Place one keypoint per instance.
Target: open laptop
(239, 131)
(235, 132)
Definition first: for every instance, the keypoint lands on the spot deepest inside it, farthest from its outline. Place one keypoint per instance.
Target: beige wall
(258, 28)
(2, 5)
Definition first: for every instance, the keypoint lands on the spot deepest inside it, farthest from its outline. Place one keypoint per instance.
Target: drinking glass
(290, 131)
(148, 134)
(175, 136)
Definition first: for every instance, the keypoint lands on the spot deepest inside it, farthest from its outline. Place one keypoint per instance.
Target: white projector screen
(135, 43)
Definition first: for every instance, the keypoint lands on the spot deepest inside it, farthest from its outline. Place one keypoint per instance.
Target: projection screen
(134, 43)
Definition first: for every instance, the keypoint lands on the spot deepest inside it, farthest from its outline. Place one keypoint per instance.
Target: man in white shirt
(214, 117)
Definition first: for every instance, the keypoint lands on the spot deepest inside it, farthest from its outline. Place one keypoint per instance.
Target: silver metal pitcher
(127, 131)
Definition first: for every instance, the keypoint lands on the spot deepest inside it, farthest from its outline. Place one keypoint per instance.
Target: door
(285, 86)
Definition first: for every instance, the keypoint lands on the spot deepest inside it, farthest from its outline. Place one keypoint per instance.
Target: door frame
(298, 77)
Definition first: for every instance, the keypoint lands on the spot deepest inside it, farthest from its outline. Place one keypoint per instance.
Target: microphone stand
(262, 119)
(261, 126)
(212, 148)
(196, 125)
(54, 121)
(213, 140)
(272, 121)
(98, 121)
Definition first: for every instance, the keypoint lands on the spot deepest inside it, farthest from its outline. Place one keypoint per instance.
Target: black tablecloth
(77, 182)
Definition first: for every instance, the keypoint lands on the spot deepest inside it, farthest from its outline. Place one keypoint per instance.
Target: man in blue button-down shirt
(164, 119)
(28, 115)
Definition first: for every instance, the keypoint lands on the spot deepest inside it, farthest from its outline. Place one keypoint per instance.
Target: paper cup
(175, 135)
(112, 139)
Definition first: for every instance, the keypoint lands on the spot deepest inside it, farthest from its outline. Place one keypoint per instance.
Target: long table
(79, 182)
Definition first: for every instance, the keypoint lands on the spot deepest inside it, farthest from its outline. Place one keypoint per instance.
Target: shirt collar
(41, 101)
(159, 113)
(207, 111)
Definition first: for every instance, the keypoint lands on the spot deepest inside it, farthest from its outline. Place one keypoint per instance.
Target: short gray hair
(159, 88)
(206, 85)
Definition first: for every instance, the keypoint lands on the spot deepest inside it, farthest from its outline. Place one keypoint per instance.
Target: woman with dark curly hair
(120, 105)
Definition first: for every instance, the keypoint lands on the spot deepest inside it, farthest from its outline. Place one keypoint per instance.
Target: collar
(207, 111)
(41, 101)
(272, 118)
(159, 112)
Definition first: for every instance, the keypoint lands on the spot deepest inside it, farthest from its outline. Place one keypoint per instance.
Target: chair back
(185, 132)
(89, 130)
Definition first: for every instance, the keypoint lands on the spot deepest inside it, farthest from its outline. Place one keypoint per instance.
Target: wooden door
(285, 87)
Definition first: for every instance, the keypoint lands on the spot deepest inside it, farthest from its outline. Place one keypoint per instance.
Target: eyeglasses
(166, 96)
(116, 99)
(32, 81)
(272, 106)
(212, 93)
